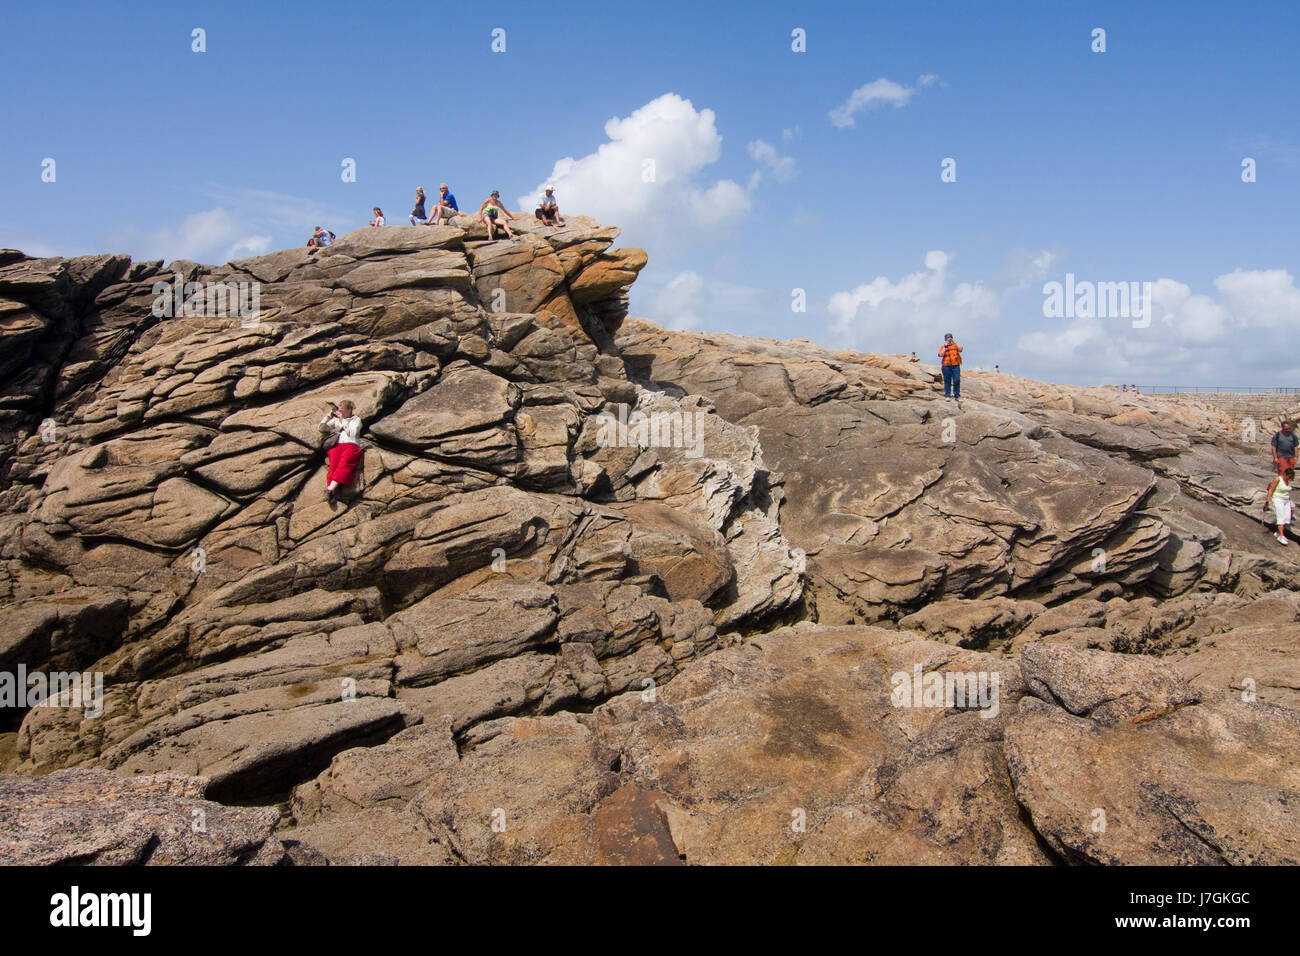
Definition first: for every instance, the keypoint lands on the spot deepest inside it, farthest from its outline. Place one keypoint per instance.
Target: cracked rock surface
(605, 593)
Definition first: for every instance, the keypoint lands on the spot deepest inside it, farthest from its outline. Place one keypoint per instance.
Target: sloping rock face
(1134, 523)
(807, 745)
(505, 550)
(604, 593)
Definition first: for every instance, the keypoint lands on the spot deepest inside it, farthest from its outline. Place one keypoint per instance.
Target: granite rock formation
(608, 593)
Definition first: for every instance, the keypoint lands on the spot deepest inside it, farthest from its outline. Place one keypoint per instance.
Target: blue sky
(1122, 166)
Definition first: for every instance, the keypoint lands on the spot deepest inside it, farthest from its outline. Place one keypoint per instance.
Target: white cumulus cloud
(1193, 337)
(651, 174)
(884, 315)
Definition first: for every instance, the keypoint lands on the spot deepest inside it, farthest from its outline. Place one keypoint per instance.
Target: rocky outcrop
(501, 554)
(1026, 491)
(605, 593)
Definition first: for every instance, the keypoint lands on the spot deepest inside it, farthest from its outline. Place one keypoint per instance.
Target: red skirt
(343, 460)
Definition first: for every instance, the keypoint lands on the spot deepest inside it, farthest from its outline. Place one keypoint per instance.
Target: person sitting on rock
(950, 362)
(493, 208)
(320, 238)
(379, 217)
(345, 456)
(1284, 446)
(418, 214)
(549, 210)
(1279, 496)
(445, 207)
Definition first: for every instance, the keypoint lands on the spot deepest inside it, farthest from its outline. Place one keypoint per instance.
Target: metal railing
(1212, 389)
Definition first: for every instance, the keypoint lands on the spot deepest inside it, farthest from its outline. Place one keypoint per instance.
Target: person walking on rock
(1279, 496)
(493, 208)
(418, 214)
(446, 205)
(950, 365)
(345, 456)
(1284, 445)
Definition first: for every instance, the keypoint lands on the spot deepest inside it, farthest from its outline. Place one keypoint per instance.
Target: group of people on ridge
(492, 212)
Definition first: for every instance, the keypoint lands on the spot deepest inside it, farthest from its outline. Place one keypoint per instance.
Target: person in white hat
(549, 211)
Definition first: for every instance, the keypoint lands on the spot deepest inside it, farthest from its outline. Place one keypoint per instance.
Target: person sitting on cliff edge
(418, 215)
(320, 238)
(345, 456)
(493, 207)
(444, 208)
(1284, 446)
(549, 210)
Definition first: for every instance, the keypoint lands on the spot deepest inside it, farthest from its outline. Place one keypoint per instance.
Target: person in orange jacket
(950, 364)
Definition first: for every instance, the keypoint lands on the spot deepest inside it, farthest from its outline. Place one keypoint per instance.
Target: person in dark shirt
(418, 214)
(1284, 445)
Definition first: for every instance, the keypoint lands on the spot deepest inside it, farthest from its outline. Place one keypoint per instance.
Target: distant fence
(1214, 389)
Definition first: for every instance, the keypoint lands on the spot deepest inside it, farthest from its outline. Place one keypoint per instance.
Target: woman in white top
(346, 455)
(1279, 496)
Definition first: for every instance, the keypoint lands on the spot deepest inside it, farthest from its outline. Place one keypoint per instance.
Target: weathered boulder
(80, 817)
(1132, 768)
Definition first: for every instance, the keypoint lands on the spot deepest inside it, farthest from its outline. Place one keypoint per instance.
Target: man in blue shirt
(445, 207)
